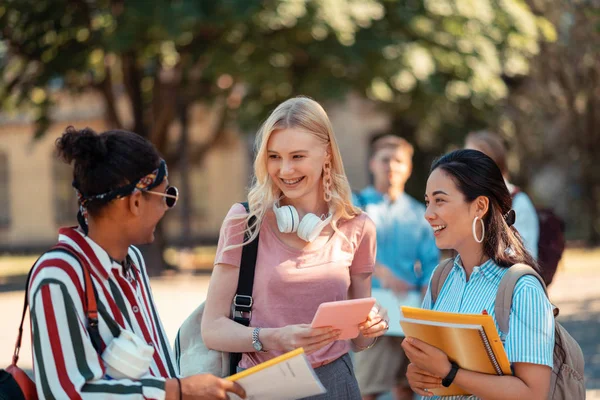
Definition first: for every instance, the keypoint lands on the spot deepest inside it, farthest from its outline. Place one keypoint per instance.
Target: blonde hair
(306, 114)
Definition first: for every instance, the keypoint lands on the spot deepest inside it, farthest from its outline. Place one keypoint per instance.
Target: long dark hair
(476, 174)
(103, 162)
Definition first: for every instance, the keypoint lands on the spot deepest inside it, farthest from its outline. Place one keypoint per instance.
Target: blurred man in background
(406, 257)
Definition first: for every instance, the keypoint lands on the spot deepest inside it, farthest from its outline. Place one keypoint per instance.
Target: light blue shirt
(531, 322)
(527, 222)
(403, 236)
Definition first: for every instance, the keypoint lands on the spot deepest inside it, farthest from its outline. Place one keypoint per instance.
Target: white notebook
(392, 303)
(287, 377)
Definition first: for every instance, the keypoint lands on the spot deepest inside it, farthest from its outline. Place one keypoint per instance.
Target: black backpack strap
(242, 302)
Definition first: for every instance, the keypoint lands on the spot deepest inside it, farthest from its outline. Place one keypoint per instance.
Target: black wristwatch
(447, 381)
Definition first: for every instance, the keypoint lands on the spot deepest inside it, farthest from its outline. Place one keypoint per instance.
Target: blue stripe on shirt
(531, 322)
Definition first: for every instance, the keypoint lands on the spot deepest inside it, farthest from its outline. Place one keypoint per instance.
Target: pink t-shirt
(290, 284)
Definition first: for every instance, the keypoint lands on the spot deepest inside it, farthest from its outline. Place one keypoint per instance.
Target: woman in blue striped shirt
(469, 209)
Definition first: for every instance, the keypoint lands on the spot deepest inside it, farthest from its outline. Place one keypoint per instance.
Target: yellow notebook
(287, 377)
(470, 340)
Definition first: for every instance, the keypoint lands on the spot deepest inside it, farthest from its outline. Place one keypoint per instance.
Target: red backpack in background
(551, 242)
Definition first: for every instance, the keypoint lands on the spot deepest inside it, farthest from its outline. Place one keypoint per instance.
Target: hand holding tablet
(344, 315)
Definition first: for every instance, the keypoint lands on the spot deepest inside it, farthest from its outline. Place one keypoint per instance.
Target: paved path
(577, 294)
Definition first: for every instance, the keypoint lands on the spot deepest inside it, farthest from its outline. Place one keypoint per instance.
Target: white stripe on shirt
(531, 322)
(66, 365)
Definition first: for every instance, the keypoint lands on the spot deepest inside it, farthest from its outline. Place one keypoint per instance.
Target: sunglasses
(171, 195)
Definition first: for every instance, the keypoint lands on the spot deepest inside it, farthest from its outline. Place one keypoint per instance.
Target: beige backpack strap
(439, 277)
(505, 292)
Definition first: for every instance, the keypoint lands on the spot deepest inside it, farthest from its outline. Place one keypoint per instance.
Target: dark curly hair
(103, 162)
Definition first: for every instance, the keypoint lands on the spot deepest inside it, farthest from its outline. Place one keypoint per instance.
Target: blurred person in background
(314, 247)
(123, 191)
(404, 239)
(527, 223)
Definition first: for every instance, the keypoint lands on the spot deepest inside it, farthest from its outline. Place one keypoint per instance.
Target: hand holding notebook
(470, 340)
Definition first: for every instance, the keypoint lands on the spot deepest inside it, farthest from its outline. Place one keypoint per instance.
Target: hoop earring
(475, 230)
(327, 182)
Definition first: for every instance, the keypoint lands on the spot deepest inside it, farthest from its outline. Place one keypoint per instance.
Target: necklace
(126, 267)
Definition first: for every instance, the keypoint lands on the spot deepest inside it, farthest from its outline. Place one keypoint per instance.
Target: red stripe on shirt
(142, 289)
(117, 314)
(127, 290)
(67, 268)
(57, 352)
(85, 247)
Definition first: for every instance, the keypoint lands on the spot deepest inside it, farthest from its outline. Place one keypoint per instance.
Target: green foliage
(446, 62)
(552, 122)
(432, 63)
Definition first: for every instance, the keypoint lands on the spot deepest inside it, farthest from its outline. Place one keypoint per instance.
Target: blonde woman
(314, 247)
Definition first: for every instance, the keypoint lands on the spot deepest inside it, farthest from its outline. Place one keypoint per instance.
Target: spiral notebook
(471, 340)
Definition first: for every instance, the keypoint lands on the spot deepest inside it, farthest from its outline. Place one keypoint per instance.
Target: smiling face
(295, 162)
(448, 212)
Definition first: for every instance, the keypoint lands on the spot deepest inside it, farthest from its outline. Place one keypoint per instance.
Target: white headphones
(127, 356)
(308, 229)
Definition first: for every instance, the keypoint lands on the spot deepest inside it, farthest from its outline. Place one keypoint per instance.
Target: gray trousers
(339, 380)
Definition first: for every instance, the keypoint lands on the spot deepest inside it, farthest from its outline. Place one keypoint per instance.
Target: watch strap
(255, 339)
(447, 381)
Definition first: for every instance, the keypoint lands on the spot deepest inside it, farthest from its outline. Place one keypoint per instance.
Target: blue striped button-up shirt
(531, 323)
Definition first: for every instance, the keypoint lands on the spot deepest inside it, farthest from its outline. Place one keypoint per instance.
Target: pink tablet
(345, 315)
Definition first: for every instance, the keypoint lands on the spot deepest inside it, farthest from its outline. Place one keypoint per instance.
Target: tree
(439, 68)
(162, 56)
(445, 66)
(436, 66)
(551, 117)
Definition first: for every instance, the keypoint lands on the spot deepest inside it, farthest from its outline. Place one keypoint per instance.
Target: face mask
(127, 357)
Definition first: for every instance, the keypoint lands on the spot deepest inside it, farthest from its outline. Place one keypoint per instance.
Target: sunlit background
(198, 77)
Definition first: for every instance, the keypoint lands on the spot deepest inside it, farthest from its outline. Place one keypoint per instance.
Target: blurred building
(36, 197)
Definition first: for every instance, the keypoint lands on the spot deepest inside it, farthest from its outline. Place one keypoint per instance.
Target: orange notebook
(470, 340)
(345, 315)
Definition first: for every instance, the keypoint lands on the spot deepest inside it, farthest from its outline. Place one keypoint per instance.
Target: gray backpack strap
(439, 277)
(505, 292)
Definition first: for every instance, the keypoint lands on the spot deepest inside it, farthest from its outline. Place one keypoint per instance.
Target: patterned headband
(146, 182)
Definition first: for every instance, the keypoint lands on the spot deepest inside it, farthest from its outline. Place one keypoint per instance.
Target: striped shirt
(66, 365)
(531, 322)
